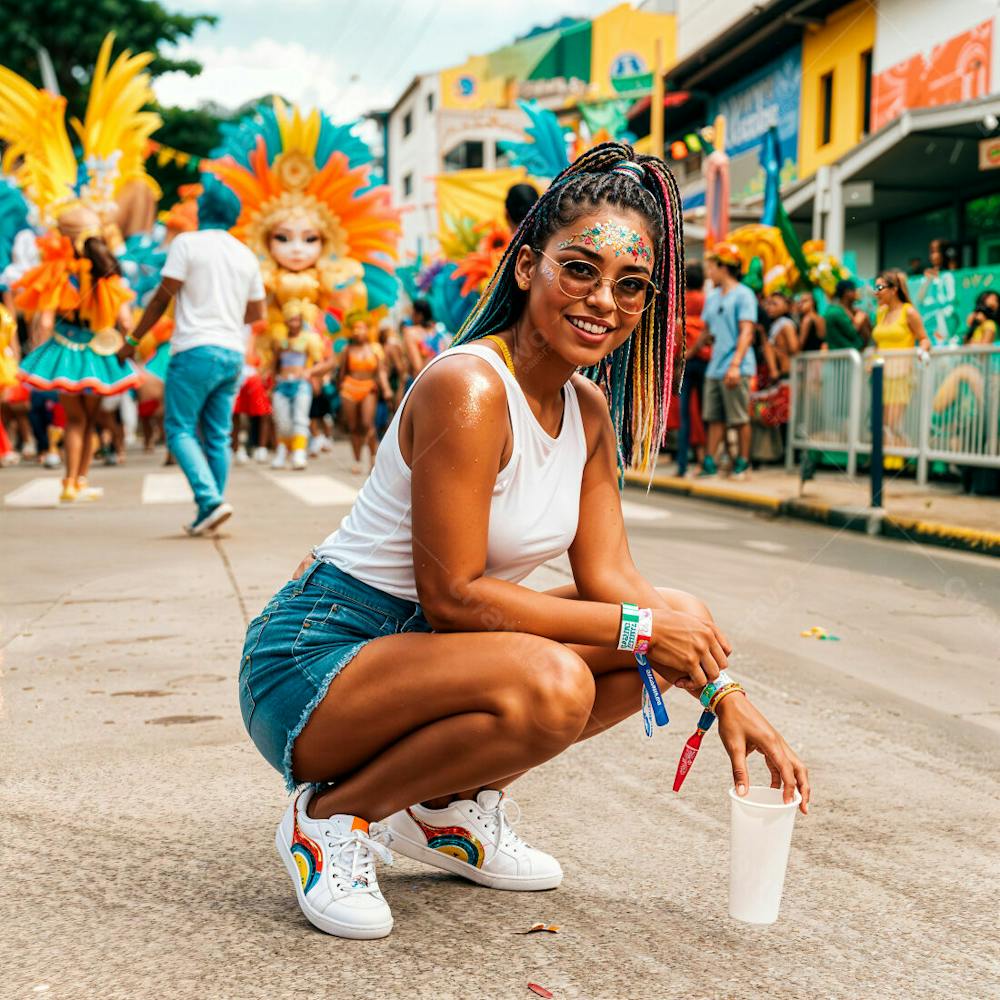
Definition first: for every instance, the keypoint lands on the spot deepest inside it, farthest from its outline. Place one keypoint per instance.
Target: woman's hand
(303, 566)
(743, 730)
(693, 646)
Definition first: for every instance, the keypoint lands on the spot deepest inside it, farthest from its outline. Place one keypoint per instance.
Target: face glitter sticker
(548, 272)
(614, 236)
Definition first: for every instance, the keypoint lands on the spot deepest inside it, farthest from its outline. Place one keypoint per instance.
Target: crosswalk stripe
(165, 487)
(762, 546)
(640, 512)
(35, 493)
(315, 491)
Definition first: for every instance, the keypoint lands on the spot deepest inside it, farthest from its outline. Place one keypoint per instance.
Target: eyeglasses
(580, 278)
(881, 288)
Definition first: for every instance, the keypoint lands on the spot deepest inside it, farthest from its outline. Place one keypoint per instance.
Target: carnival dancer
(296, 356)
(216, 282)
(361, 381)
(76, 293)
(404, 671)
(81, 305)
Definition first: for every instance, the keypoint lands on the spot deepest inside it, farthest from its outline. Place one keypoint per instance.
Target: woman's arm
(916, 325)
(382, 377)
(450, 437)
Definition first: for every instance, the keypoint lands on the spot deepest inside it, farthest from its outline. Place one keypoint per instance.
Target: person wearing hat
(730, 314)
(841, 331)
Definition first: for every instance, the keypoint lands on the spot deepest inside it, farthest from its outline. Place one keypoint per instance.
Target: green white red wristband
(628, 636)
(645, 631)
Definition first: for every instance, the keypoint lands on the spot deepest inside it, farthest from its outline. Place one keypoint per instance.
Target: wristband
(724, 693)
(708, 691)
(131, 341)
(645, 631)
(629, 634)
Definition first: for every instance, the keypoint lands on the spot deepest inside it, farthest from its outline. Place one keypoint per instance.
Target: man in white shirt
(216, 280)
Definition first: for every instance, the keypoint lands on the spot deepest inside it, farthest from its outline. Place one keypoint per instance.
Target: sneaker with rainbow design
(474, 839)
(331, 863)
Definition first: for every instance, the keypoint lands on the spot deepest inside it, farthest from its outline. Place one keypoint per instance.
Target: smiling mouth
(594, 329)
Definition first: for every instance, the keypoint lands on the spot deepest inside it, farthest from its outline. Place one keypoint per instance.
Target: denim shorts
(307, 633)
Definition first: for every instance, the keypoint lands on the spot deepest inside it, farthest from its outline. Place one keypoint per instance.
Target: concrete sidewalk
(936, 514)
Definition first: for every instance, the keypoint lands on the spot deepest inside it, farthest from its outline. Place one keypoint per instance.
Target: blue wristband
(653, 690)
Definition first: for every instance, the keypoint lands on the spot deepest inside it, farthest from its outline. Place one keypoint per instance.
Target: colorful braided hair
(638, 377)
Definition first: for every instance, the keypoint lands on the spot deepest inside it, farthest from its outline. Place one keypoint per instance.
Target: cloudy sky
(345, 56)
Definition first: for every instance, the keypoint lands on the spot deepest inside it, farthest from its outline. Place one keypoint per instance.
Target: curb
(863, 519)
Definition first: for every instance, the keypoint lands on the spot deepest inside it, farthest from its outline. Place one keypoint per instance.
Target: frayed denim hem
(286, 764)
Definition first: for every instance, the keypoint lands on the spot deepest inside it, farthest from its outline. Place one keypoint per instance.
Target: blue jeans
(290, 405)
(198, 418)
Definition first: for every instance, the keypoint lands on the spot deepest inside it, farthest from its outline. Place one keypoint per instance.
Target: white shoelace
(353, 855)
(501, 826)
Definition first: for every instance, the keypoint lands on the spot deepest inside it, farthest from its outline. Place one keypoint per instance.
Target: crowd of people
(733, 408)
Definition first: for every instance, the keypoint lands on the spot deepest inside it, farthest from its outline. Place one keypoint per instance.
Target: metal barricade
(902, 395)
(960, 414)
(938, 407)
(826, 404)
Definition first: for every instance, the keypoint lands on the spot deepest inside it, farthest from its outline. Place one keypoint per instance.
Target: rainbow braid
(638, 377)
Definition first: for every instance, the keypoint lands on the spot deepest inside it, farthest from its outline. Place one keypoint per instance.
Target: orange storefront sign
(956, 70)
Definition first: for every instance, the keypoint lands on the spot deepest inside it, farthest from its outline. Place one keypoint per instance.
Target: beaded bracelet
(723, 693)
(709, 690)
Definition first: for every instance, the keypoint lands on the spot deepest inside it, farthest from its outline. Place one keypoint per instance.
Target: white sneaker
(331, 863)
(51, 460)
(241, 457)
(280, 456)
(299, 459)
(261, 455)
(474, 840)
(316, 445)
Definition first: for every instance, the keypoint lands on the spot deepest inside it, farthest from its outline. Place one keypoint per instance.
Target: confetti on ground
(817, 632)
(540, 990)
(535, 928)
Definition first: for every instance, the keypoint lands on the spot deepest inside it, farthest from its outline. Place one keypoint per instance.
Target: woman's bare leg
(430, 713)
(76, 422)
(351, 416)
(618, 688)
(91, 408)
(367, 421)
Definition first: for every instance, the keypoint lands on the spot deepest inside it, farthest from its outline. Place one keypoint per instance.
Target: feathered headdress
(112, 135)
(280, 161)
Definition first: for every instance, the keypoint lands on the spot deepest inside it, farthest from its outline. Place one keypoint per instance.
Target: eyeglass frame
(603, 277)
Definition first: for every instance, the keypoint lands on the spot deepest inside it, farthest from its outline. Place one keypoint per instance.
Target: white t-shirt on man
(220, 276)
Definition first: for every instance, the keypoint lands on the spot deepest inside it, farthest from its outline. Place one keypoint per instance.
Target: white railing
(943, 406)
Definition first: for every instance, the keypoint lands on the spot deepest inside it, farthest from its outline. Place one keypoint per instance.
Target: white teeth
(587, 327)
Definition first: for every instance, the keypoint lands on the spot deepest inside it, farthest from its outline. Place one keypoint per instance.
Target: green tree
(71, 32)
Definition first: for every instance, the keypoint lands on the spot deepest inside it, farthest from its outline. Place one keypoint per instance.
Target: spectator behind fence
(982, 325)
(841, 328)
(898, 328)
(691, 433)
(730, 315)
(812, 326)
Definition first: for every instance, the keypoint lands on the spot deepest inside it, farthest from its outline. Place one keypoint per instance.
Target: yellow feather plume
(39, 153)
(114, 119)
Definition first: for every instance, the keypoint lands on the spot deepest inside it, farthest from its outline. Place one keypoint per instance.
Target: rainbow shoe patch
(307, 854)
(455, 841)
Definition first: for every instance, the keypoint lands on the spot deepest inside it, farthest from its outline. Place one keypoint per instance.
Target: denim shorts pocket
(254, 632)
(247, 704)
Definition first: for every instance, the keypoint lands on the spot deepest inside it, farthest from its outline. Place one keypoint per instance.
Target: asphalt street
(137, 858)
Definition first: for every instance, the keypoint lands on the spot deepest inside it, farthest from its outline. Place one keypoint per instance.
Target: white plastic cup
(760, 837)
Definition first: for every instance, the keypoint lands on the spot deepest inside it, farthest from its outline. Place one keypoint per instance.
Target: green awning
(569, 58)
(518, 61)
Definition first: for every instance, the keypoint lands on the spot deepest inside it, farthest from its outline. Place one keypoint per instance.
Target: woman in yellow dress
(898, 327)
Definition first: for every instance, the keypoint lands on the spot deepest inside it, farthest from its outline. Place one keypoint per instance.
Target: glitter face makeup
(614, 236)
(548, 272)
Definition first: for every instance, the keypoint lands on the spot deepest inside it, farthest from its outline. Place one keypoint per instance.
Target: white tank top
(533, 512)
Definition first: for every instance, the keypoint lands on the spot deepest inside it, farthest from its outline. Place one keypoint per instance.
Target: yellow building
(836, 85)
(622, 45)
(469, 87)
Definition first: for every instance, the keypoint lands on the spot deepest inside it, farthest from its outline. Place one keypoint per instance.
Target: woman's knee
(554, 693)
(680, 600)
